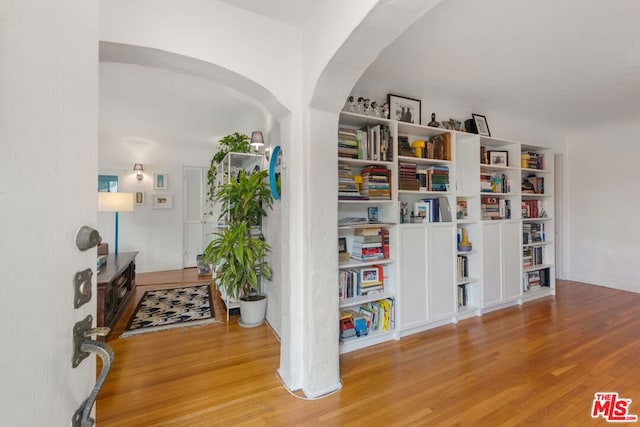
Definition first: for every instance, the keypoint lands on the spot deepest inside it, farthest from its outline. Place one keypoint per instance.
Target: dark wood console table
(116, 284)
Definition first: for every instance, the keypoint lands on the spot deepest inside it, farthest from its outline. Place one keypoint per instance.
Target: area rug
(162, 309)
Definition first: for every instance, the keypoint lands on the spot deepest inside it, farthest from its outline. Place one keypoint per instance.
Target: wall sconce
(138, 168)
(257, 140)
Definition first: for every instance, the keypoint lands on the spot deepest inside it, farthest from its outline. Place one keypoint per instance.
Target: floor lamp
(115, 202)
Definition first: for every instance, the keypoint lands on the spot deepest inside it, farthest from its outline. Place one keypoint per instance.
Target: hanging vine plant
(232, 143)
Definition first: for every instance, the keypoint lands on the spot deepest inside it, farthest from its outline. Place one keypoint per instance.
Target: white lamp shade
(115, 202)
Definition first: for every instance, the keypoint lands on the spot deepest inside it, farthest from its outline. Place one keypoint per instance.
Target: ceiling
(565, 62)
(561, 62)
(292, 12)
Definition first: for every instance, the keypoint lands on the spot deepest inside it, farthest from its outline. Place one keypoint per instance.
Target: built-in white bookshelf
(455, 216)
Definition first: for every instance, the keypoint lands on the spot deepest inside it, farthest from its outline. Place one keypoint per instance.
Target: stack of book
(407, 177)
(532, 160)
(347, 186)
(532, 232)
(438, 178)
(376, 183)
(369, 244)
(533, 185)
(534, 280)
(495, 208)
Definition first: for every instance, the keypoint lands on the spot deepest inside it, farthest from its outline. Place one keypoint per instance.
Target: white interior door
(198, 227)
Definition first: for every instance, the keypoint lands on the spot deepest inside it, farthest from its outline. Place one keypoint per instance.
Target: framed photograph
(140, 198)
(421, 210)
(372, 214)
(160, 181)
(162, 201)
(342, 245)
(369, 276)
(404, 109)
(499, 158)
(481, 124)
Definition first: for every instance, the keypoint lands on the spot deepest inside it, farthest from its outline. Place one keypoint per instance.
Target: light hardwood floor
(539, 364)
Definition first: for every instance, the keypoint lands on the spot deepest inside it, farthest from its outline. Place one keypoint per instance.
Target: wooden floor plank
(539, 363)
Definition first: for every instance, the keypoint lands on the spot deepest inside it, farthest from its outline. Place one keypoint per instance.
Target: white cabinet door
(511, 260)
(501, 261)
(413, 273)
(441, 282)
(491, 264)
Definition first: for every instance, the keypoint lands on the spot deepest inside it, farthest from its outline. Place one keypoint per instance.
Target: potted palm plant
(238, 252)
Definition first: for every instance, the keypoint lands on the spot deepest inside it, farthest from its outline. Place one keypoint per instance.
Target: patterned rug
(171, 308)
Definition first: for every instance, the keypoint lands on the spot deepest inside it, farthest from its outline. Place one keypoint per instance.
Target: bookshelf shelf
(424, 193)
(466, 280)
(361, 264)
(536, 267)
(356, 343)
(356, 301)
(423, 161)
(427, 280)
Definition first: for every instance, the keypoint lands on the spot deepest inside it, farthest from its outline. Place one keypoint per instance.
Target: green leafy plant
(236, 252)
(232, 143)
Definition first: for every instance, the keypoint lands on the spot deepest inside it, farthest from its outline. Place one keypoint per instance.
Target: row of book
(421, 178)
(348, 184)
(463, 267)
(437, 147)
(378, 315)
(533, 209)
(495, 208)
(362, 282)
(368, 143)
(370, 244)
(534, 280)
(532, 256)
(531, 160)
(493, 182)
(463, 295)
(533, 232)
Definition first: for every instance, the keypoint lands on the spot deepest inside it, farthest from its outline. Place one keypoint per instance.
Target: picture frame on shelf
(481, 124)
(372, 214)
(369, 276)
(404, 109)
(498, 158)
(421, 210)
(162, 201)
(342, 245)
(160, 181)
(139, 197)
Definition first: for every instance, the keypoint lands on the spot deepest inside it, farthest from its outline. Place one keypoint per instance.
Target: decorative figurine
(360, 106)
(385, 110)
(433, 122)
(350, 105)
(403, 212)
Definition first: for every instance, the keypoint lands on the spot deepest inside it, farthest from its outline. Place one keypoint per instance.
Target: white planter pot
(252, 313)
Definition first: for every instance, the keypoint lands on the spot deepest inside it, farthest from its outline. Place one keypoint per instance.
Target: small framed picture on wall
(140, 198)
(160, 181)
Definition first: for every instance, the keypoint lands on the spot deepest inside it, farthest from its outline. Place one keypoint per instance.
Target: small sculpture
(385, 110)
(433, 122)
(350, 105)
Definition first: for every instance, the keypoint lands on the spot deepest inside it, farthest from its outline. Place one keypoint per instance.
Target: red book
(385, 242)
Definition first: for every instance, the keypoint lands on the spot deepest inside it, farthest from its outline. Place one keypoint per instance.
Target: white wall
(158, 118)
(48, 164)
(602, 205)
